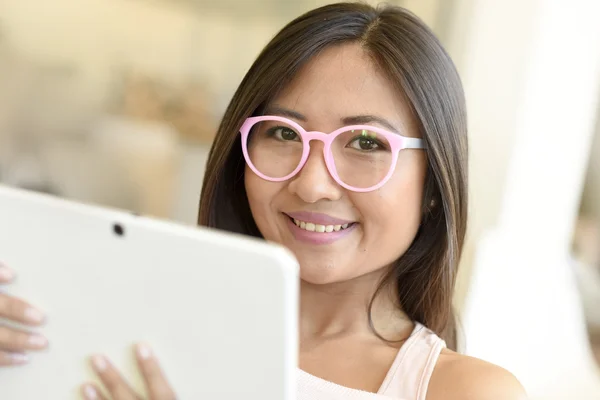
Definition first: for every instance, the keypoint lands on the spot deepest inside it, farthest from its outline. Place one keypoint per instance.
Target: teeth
(311, 227)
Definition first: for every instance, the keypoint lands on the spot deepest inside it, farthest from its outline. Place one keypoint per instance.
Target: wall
(492, 63)
(156, 38)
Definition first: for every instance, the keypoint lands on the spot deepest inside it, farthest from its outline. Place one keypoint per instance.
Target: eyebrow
(284, 112)
(353, 120)
(367, 119)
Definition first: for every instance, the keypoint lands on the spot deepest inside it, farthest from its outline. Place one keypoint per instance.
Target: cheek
(393, 214)
(255, 193)
(261, 194)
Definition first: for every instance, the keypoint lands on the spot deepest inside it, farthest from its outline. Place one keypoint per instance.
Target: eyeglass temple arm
(413, 143)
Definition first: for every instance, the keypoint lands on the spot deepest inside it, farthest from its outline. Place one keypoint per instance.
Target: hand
(16, 343)
(156, 383)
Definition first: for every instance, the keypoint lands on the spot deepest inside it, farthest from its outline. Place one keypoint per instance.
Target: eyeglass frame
(397, 143)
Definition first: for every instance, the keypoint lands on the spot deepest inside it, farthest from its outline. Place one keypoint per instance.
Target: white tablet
(219, 310)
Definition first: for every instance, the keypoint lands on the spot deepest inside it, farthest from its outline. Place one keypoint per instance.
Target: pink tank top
(407, 379)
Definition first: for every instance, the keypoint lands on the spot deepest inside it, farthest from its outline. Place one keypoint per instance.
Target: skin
(338, 279)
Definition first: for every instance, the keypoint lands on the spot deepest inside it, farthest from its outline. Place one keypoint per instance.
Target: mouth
(320, 228)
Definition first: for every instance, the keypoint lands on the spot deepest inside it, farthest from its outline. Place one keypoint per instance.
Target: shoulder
(457, 376)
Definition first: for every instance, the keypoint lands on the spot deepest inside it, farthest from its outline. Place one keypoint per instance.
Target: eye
(365, 142)
(284, 133)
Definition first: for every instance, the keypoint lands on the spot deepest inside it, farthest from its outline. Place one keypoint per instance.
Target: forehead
(343, 81)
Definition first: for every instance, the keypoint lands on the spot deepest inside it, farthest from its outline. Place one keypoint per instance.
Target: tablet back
(219, 310)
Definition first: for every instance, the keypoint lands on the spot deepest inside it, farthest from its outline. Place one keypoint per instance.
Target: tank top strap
(409, 376)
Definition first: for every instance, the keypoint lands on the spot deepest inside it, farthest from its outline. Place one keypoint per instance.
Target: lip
(318, 238)
(317, 218)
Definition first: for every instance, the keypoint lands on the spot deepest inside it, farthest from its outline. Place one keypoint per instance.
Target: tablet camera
(118, 230)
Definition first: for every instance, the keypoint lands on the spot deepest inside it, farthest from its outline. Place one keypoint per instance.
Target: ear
(429, 204)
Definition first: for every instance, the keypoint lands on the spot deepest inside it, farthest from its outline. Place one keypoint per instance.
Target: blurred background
(115, 102)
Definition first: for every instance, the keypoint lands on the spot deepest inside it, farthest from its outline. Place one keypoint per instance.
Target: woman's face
(337, 85)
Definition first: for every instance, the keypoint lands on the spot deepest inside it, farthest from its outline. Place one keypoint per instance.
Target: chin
(323, 273)
(320, 274)
(319, 279)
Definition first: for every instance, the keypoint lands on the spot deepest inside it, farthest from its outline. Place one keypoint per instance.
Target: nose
(314, 182)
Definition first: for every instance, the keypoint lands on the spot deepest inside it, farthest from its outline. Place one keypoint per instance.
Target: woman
(374, 209)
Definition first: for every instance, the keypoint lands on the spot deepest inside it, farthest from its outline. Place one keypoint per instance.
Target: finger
(113, 381)
(6, 274)
(18, 310)
(8, 359)
(154, 377)
(16, 340)
(92, 392)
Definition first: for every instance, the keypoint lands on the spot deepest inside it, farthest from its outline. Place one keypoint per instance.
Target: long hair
(417, 65)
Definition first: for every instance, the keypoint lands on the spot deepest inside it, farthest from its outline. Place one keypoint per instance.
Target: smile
(313, 227)
(318, 229)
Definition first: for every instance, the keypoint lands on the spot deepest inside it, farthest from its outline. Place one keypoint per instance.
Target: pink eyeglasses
(360, 158)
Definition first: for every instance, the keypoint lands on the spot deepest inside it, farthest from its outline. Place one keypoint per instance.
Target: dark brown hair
(408, 52)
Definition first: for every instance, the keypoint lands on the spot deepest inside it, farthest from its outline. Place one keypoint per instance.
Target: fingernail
(34, 315)
(19, 358)
(99, 363)
(144, 351)
(90, 393)
(6, 274)
(38, 341)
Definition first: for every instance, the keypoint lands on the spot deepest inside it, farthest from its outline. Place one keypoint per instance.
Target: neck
(341, 309)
